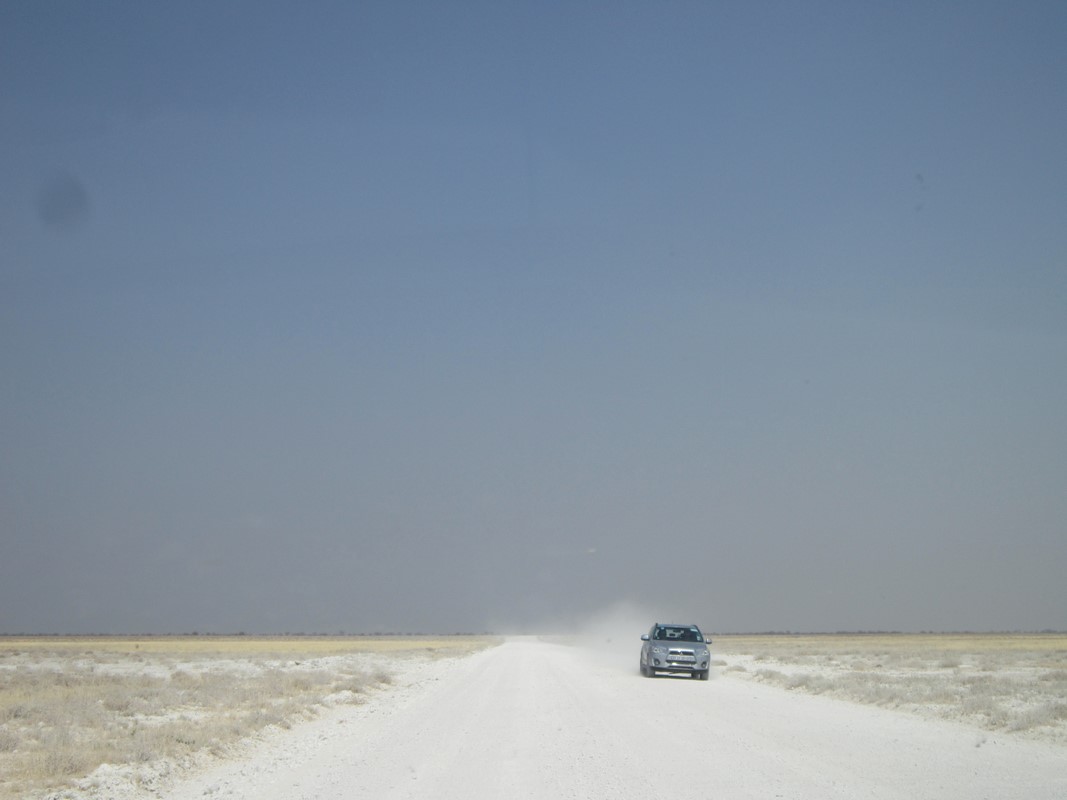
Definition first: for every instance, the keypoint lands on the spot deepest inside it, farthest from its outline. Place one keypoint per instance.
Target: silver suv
(675, 648)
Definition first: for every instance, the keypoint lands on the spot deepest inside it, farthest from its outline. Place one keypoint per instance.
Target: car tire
(703, 675)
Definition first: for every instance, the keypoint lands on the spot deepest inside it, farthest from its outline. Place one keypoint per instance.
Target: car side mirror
(644, 637)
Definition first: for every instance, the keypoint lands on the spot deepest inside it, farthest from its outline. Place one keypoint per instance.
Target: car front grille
(681, 656)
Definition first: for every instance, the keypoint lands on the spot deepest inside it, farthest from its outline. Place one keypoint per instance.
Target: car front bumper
(668, 664)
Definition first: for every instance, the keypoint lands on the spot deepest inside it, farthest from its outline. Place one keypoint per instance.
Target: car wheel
(703, 675)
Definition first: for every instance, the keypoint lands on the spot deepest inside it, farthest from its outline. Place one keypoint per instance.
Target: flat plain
(163, 703)
(133, 717)
(1001, 683)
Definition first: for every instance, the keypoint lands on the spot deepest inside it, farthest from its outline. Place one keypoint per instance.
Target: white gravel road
(533, 720)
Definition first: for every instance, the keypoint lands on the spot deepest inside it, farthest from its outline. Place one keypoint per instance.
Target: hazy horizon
(478, 317)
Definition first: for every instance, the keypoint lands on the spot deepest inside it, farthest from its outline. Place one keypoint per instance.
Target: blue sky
(412, 316)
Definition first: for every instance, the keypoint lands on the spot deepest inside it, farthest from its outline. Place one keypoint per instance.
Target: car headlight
(659, 650)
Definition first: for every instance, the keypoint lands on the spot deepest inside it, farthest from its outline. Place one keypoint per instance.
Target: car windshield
(679, 634)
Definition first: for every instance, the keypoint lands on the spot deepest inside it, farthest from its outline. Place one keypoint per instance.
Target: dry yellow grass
(1007, 683)
(235, 645)
(71, 704)
(894, 642)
